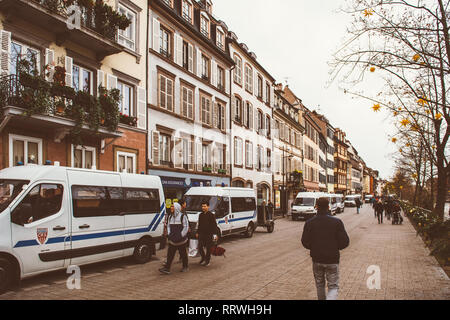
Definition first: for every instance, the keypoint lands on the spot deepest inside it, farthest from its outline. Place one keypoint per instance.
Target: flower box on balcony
(128, 120)
(222, 171)
(207, 169)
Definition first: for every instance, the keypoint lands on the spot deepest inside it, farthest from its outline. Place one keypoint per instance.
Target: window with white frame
(187, 11)
(204, 26)
(126, 98)
(238, 70)
(220, 78)
(238, 151)
(83, 157)
(205, 67)
(127, 37)
(188, 153)
(248, 78)
(22, 51)
(206, 155)
(248, 154)
(187, 102)
(82, 79)
(220, 39)
(237, 110)
(126, 161)
(24, 150)
(165, 92)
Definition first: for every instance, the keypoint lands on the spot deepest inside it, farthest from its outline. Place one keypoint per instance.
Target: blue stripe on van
(236, 219)
(31, 243)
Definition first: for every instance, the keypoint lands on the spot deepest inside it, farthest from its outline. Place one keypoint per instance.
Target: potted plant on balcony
(207, 169)
(109, 105)
(128, 120)
(222, 171)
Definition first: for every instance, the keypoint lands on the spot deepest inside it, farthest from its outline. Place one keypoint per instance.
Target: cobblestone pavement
(267, 266)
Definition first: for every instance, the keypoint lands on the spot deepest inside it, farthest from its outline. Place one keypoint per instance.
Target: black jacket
(325, 235)
(379, 208)
(207, 225)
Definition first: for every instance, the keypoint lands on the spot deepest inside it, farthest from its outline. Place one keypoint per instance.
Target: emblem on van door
(42, 234)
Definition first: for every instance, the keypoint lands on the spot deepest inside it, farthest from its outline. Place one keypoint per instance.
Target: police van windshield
(306, 202)
(9, 189)
(194, 203)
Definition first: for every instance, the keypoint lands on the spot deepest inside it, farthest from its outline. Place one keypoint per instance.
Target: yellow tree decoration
(368, 12)
(376, 107)
(405, 122)
(416, 57)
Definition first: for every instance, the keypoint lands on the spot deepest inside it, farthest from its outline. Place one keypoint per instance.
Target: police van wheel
(250, 230)
(270, 227)
(142, 252)
(6, 274)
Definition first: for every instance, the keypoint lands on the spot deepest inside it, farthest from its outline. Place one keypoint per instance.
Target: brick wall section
(131, 141)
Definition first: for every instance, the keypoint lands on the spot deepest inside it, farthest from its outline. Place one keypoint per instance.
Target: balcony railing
(36, 97)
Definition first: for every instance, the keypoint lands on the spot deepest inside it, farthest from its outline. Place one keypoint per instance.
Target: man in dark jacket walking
(379, 208)
(206, 231)
(324, 236)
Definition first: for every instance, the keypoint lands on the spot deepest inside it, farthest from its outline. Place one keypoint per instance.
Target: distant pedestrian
(325, 236)
(206, 233)
(388, 207)
(270, 210)
(177, 230)
(379, 208)
(358, 205)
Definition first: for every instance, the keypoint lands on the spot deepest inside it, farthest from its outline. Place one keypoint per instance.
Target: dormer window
(204, 26)
(220, 39)
(187, 11)
(169, 3)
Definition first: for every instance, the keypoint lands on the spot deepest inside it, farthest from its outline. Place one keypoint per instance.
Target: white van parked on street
(304, 204)
(340, 205)
(234, 208)
(52, 217)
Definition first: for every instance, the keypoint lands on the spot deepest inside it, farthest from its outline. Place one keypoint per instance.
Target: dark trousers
(171, 254)
(380, 217)
(205, 242)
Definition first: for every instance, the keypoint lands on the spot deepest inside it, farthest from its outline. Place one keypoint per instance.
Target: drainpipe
(231, 123)
(146, 91)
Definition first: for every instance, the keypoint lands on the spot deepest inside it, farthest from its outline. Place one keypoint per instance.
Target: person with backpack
(177, 234)
(325, 236)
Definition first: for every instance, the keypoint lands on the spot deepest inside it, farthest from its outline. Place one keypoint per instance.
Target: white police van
(304, 204)
(52, 217)
(234, 208)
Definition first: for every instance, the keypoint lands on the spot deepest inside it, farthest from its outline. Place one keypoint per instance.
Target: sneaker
(184, 270)
(164, 271)
(207, 264)
(201, 262)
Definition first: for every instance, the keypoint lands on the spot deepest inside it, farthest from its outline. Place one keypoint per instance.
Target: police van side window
(141, 201)
(91, 201)
(243, 204)
(42, 201)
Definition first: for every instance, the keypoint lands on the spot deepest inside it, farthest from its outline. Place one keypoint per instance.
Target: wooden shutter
(141, 108)
(178, 50)
(224, 117)
(155, 148)
(215, 116)
(50, 63)
(191, 155)
(100, 79)
(5, 52)
(69, 70)
(199, 63)
(227, 81)
(214, 72)
(190, 58)
(250, 116)
(178, 153)
(111, 82)
(199, 160)
(156, 34)
(215, 156)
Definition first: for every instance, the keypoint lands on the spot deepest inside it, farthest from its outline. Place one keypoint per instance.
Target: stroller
(396, 214)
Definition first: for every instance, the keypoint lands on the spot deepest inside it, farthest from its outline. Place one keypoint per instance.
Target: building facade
(288, 160)
(340, 162)
(251, 126)
(64, 72)
(188, 94)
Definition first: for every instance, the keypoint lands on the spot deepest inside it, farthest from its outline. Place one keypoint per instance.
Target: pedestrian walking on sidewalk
(379, 208)
(177, 230)
(325, 236)
(358, 205)
(269, 209)
(207, 232)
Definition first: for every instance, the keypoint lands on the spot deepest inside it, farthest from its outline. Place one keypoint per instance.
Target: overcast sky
(294, 40)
